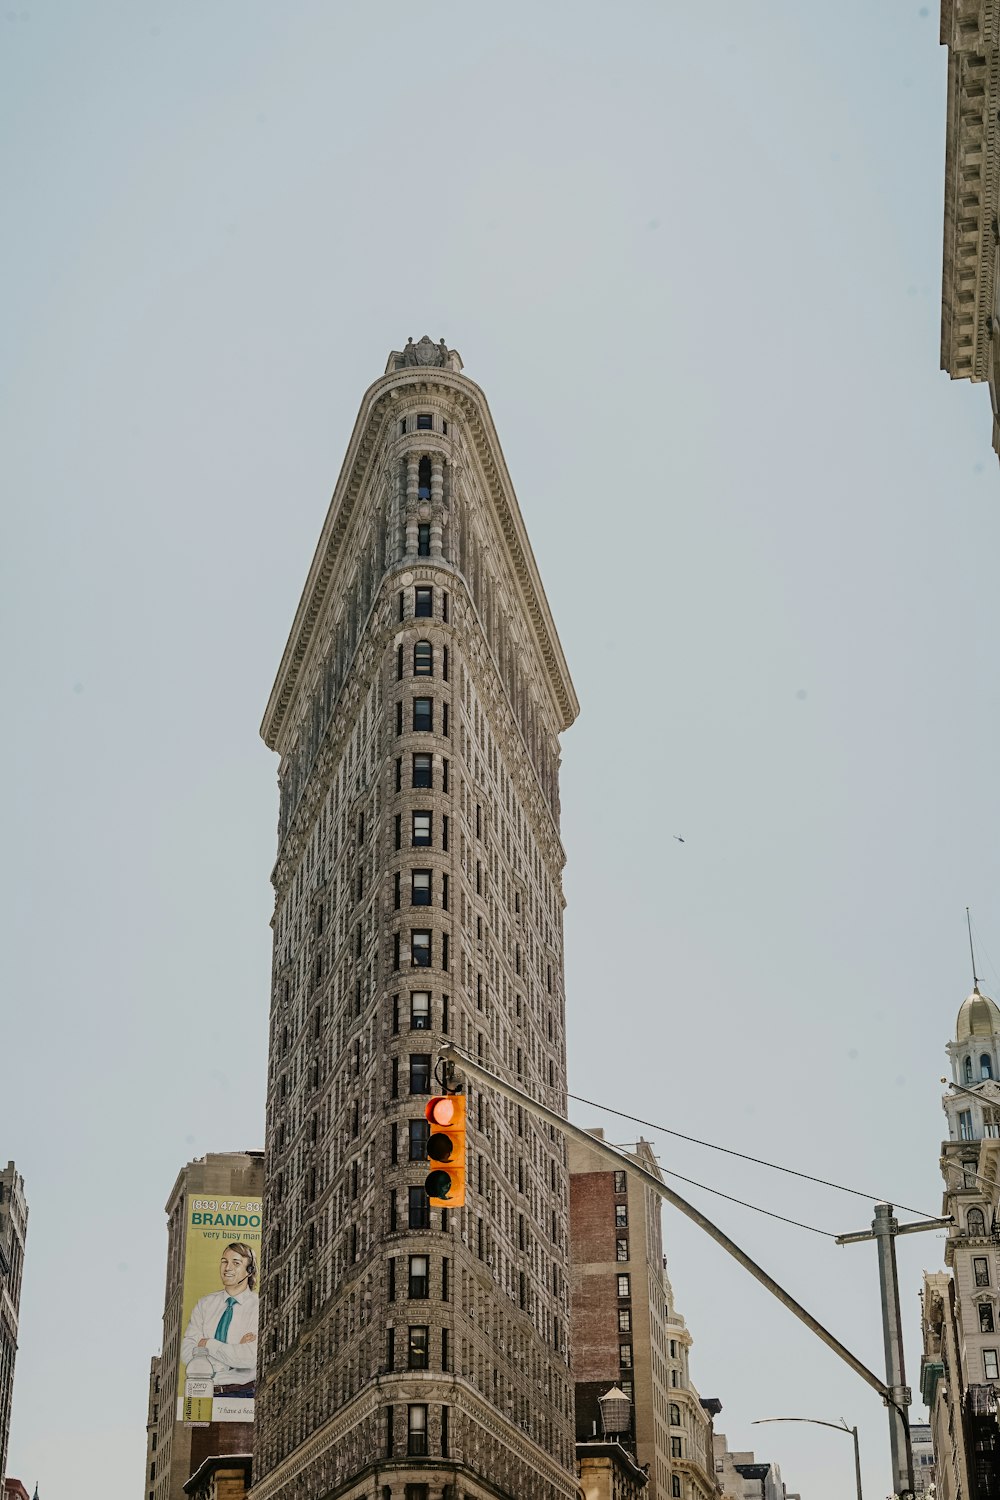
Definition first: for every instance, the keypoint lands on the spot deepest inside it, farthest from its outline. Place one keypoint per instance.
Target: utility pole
(884, 1230)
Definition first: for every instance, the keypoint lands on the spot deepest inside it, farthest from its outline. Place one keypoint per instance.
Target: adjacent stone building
(970, 330)
(409, 1351)
(175, 1449)
(13, 1232)
(626, 1329)
(960, 1369)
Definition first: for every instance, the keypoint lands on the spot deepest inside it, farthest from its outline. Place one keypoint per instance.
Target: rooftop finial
(972, 953)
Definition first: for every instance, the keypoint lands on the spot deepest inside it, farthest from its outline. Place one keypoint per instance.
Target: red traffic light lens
(441, 1111)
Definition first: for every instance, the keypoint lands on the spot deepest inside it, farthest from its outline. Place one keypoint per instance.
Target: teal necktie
(225, 1320)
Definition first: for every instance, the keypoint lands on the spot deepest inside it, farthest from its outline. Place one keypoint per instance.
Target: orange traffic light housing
(445, 1184)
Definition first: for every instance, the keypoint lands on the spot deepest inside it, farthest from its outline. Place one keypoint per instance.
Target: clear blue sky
(693, 257)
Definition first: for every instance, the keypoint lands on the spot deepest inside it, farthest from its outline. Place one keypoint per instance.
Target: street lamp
(840, 1426)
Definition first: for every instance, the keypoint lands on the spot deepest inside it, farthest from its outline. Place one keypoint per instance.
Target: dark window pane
(423, 714)
(423, 603)
(422, 770)
(423, 659)
(420, 1073)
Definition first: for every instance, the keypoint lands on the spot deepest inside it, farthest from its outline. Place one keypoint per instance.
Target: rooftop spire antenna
(972, 951)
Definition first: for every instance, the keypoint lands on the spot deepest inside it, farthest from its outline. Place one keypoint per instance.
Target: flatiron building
(410, 1352)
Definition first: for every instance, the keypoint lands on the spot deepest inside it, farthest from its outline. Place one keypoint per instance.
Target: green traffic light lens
(438, 1185)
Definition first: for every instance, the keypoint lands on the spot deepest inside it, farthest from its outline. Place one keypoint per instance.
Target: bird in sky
(678, 838)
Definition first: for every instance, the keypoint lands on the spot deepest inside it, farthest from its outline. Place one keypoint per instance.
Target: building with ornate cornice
(406, 1351)
(13, 1233)
(970, 330)
(960, 1368)
(627, 1332)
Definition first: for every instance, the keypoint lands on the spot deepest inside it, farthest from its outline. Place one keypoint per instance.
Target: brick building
(409, 1351)
(626, 1329)
(174, 1450)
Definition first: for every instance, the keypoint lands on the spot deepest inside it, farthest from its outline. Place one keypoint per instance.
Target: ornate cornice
(970, 31)
(365, 443)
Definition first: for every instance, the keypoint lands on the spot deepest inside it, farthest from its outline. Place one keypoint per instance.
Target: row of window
(421, 949)
(423, 717)
(423, 601)
(421, 830)
(418, 1340)
(421, 889)
(424, 423)
(423, 661)
(418, 1212)
(421, 772)
(418, 1282)
(985, 1068)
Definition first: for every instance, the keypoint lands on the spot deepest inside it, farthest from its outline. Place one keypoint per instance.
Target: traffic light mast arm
(619, 1159)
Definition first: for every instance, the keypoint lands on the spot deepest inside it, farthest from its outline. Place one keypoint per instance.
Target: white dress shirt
(233, 1363)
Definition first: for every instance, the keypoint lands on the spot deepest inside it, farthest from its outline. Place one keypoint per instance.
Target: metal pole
(884, 1228)
(840, 1426)
(601, 1148)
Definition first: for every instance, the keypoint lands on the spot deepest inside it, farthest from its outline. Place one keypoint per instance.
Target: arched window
(975, 1223)
(985, 1066)
(675, 1486)
(675, 1414)
(967, 1069)
(423, 659)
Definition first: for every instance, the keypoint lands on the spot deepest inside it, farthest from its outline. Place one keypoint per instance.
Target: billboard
(219, 1315)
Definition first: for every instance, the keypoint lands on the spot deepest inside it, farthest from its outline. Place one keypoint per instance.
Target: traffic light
(445, 1185)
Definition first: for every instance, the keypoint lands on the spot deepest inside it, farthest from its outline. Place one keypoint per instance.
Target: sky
(692, 255)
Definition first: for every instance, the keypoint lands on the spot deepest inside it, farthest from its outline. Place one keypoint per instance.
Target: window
(676, 1448)
(416, 1492)
(621, 1247)
(969, 1173)
(422, 771)
(621, 1215)
(402, 426)
(420, 1073)
(965, 1125)
(975, 1222)
(418, 1208)
(673, 1348)
(624, 1285)
(985, 1318)
(967, 1070)
(619, 1182)
(418, 1133)
(423, 539)
(425, 421)
(675, 1414)
(624, 1320)
(423, 714)
(985, 1066)
(419, 1283)
(981, 1270)
(675, 1485)
(990, 1364)
(421, 830)
(419, 1338)
(420, 1010)
(420, 888)
(423, 659)
(423, 603)
(416, 1431)
(625, 1355)
(420, 949)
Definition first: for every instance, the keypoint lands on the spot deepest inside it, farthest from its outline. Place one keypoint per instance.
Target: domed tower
(969, 1161)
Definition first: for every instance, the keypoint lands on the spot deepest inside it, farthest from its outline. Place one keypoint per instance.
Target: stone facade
(970, 331)
(175, 1451)
(626, 1329)
(406, 1351)
(13, 1232)
(608, 1471)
